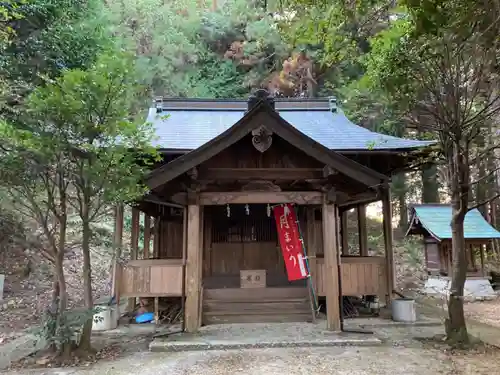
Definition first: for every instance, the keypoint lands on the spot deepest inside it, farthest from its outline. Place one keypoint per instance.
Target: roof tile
(188, 129)
(436, 220)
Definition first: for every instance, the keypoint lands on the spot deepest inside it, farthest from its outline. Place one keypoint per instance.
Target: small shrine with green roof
(433, 223)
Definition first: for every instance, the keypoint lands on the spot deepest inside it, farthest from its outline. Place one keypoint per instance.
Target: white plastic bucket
(106, 319)
(404, 310)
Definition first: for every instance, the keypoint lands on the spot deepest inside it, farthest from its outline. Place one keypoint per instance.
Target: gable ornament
(262, 138)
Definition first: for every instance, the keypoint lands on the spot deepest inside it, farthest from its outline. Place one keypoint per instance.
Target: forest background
(392, 65)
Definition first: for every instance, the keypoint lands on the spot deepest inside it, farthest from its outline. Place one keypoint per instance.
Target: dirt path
(382, 360)
(403, 352)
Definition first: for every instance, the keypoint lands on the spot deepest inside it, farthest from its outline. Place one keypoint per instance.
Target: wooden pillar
(389, 251)
(193, 265)
(147, 235)
(117, 245)
(344, 233)
(362, 233)
(134, 245)
(331, 270)
(311, 246)
(481, 254)
(157, 233)
(134, 235)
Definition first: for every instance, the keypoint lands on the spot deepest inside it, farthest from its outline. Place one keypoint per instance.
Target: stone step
(255, 294)
(257, 308)
(256, 318)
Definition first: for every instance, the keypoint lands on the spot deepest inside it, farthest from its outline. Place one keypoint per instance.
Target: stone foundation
(476, 288)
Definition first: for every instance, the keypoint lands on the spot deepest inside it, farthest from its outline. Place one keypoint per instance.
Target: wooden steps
(256, 305)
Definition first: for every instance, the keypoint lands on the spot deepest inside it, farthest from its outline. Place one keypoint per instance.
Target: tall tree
(439, 62)
(90, 113)
(34, 179)
(45, 38)
(185, 49)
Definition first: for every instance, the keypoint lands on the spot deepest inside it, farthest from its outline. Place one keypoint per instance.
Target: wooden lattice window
(241, 225)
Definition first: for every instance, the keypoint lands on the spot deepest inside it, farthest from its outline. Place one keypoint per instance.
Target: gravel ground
(355, 361)
(486, 312)
(400, 354)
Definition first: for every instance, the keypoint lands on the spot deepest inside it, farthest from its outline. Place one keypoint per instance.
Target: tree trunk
(399, 190)
(430, 186)
(66, 348)
(456, 329)
(85, 340)
(481, 187)
(53, 308)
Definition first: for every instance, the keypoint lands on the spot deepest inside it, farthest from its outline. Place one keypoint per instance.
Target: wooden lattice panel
(151, 278)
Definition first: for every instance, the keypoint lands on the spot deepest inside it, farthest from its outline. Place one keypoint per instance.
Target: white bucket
(404, 310)
(106, 319)
(2, 281)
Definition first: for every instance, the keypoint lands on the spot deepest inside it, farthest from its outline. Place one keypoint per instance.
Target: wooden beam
(253, 174)
(328, 171)
(134, 235)
(147, 235)
(118, 245)
(389, 251)
(156, 237)
(134, 245)
(331, 256)
(193, 265)
(350, 204)
(331, 196)
(180, 199)
(362, 232)
(344, 233)
(184, 261)
(298, 197)
(481, 254)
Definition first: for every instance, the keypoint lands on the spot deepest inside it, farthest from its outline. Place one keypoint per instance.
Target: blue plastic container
(145, 318)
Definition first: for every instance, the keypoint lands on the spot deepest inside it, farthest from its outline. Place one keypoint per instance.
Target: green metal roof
(436, 219)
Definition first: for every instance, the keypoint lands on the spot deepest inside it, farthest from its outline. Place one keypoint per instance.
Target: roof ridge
(200, 104)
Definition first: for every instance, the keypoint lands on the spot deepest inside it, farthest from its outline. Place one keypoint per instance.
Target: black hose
(398, 294)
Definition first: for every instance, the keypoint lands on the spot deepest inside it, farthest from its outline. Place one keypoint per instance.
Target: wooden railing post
(389, 251)
(330, 250)
(134, 245)
(344, 233)
(147, 235)
(362, 232)
(117, 245)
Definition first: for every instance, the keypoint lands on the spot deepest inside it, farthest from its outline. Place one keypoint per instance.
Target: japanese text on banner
(290, 242)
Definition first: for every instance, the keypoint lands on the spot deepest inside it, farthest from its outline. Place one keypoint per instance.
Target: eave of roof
(279, 126)
(193, 122)
(436, 220)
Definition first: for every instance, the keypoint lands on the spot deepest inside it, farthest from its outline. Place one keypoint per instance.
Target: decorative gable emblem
(262, 138)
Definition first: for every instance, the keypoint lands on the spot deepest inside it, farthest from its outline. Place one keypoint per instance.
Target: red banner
(290, 242)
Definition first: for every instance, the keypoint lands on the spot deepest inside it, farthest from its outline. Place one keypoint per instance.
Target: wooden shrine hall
(227, 164)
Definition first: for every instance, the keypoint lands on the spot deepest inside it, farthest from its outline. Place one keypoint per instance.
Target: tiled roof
(436, 220)
(190, 124)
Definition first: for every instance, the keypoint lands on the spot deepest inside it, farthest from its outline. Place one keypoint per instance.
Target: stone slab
(272, 335)
(164, 345)
(474, 288)
(422, 321)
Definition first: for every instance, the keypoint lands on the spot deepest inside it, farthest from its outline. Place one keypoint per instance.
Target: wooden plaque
(253, 279)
